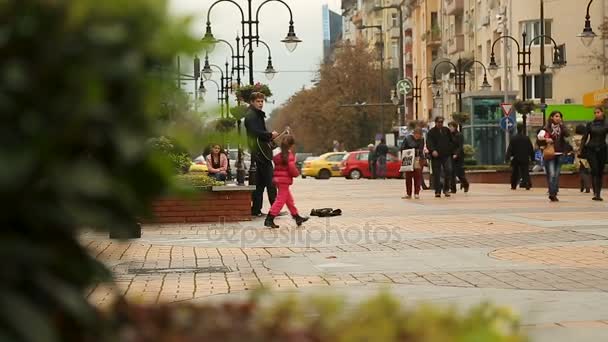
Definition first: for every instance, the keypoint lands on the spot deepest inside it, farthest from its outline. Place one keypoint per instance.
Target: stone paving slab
(546, 260)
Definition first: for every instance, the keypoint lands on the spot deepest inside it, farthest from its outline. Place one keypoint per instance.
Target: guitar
(266, 147)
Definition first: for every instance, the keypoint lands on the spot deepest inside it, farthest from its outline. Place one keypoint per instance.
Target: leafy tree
(316, 115)
(78, 100)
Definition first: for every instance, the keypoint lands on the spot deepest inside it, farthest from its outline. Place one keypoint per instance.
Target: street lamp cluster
(458, 73)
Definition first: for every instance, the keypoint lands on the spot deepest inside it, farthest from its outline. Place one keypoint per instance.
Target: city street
(548, 261)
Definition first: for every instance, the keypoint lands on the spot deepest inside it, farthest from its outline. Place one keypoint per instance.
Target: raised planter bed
(567, 180)
(217, 204)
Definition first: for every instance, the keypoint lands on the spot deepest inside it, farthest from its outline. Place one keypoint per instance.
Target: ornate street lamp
(249, 36)
(587, 36)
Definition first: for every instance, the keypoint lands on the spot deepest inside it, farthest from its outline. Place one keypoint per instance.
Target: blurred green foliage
(179, 158)
(80, 93)
(381, 318)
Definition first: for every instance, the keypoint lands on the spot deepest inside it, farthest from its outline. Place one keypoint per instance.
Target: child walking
(284, 172)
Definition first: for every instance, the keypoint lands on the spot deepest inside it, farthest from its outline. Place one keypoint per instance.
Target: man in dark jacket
(381, 152)
(256, 129)
(440, 143)
(520, 152)
(458, 159)
(371, 161)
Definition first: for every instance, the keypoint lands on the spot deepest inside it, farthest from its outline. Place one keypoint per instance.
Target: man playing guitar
(256, 130)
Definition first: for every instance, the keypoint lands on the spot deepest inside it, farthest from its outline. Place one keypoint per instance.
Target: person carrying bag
(412, 163)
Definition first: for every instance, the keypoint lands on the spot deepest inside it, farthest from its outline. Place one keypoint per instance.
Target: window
(335, 158)
(362, 156)
(395, 51)
(533, 86)
(532, 28)
(394, 19)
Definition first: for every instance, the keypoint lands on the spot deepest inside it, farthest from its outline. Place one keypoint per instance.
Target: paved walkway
(549, 261)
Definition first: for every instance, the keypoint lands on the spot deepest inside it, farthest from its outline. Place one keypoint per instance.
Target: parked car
(356, 166)
(324, 167)
(233, 153)
(300, 158)
(308, 159)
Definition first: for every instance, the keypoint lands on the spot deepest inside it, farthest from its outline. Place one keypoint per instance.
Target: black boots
(299, 219)
(269, 222)
(597, 188)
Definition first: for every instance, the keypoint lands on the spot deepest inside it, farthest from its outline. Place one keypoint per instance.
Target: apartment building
(472, 29)
(385, 42)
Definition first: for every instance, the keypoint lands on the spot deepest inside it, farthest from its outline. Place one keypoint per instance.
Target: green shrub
(470, 162)
(78, 100)
(180, 160)
(197, 180)
(503, 167)
(380, 319)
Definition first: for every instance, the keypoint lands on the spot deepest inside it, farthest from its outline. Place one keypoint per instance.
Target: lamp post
(399, 8)
(524, 62)
(220, 93)
(587, 36)
(381, 46)
(249, 36)
(417, 93)
(459, 70)
(270, 71)
(225, 81)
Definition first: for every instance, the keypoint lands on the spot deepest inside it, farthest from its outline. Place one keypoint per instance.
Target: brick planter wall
(223, 203)
(567, 180)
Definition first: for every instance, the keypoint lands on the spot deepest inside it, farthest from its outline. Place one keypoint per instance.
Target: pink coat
(284, 174)
(223, 164)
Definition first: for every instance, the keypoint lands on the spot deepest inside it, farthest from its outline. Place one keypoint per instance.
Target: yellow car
(323, 167)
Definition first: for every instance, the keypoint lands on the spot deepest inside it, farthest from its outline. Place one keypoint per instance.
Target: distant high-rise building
(332, 31)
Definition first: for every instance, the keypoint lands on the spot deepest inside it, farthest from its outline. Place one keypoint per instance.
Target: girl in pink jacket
(284, 172)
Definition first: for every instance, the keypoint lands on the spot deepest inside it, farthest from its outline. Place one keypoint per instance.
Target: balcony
(432, 37)
(456, 44)
(454, 7)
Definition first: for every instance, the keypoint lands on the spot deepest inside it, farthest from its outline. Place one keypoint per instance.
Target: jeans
(415, 176)
(263, 181)
(597, 161)
(553, 169)
(220, 177)
(442, 166)
(520, 170)
(381, 171)
(284, 198)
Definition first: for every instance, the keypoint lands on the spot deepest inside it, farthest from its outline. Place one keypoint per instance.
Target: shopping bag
(407, 163)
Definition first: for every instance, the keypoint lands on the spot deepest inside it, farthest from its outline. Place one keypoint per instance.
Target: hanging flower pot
(243, 93)
(238, 112)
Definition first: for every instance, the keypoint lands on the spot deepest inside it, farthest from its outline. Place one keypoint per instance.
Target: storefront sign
(595, 98)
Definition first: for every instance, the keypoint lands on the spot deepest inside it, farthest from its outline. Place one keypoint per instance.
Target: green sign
(405, 86)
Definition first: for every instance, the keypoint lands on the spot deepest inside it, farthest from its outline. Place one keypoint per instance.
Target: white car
(233, 153)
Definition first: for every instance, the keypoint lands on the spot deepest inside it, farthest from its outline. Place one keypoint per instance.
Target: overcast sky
(296, 69)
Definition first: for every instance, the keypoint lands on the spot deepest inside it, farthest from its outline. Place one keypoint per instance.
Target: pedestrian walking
(256, 130)
(458, 159)
(553, 137)
(580, 162)
(594, 150)
(381, 153)
(440, 143)
(520, 153)
(371, 160)
(414, 141)
(284, 172)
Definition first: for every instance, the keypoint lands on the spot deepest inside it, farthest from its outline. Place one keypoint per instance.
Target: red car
(356, 166)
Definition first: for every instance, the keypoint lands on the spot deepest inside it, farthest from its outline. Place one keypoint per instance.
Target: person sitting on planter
(217, 163)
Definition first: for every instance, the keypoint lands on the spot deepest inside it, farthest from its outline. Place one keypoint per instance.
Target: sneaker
(447, 194)
(417, 196)
(553, 198)
(437, 195)
(597, 198)
(466, 188)
(407, 197)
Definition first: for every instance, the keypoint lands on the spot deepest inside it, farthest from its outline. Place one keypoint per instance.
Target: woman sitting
(217, 163)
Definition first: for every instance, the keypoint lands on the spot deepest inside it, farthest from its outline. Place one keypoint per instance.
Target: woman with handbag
(553, 136)
(415, 142)
(594, 150)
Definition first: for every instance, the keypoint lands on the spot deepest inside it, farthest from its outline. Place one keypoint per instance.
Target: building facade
(332, 31)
